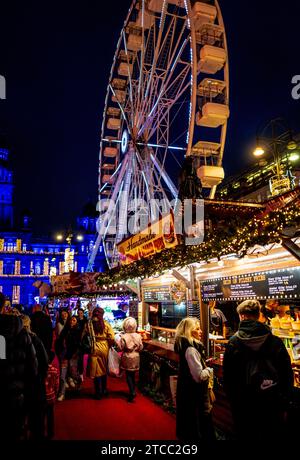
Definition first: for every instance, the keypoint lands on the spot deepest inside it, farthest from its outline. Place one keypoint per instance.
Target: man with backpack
(258, 377)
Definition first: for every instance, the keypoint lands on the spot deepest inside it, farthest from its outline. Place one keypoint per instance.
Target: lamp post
(69, 252)
(276, 137)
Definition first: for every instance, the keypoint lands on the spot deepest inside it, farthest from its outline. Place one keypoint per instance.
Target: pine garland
(236, 238)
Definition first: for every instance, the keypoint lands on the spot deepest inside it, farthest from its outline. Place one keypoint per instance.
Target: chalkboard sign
(159, 294)
(279, 284)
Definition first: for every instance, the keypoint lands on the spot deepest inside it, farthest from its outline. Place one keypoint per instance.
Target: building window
(46, 267)
(10, 247)
(1, 268)
(82, 269)
(82, 248)
(37, 268)
(16, 295)
(9, 268)
(17, 267)
(53, 271)
(24, 247)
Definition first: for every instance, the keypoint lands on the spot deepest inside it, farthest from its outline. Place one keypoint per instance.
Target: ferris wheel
(167, 98)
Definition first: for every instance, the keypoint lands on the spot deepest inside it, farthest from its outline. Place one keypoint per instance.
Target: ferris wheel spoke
(167, 67)
(156, 52)
(129, 78)
(165, 176)
(168, 87)
(120, 105)
(168, 105)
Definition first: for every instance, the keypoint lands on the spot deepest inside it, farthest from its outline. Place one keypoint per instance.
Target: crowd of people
(257, 371)
(31, 381)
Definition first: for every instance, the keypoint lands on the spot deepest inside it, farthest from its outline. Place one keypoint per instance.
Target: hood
(129, 325)
(253, 334)
(10, 326)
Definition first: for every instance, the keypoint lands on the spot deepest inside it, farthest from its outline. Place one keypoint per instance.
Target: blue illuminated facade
(26, 258)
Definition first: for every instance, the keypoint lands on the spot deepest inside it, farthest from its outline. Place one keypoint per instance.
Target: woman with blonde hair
(193, 405)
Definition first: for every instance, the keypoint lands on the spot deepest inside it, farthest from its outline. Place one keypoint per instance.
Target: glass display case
(163, 334)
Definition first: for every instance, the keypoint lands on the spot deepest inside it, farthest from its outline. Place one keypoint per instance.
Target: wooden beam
(291, 247)
(177, 275)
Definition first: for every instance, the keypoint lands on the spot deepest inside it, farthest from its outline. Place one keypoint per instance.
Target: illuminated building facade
(26, 258)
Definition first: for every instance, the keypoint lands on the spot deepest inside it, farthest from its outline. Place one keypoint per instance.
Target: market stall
(80, 290)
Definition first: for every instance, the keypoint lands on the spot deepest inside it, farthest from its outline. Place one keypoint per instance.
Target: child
(131, 344)
(52, 385)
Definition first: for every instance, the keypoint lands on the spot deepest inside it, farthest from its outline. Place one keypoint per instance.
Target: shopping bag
(114, 363)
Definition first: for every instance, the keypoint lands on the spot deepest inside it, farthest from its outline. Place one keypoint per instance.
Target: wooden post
(204, 320)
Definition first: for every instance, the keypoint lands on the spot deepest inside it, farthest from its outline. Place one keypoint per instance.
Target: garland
(237, 238)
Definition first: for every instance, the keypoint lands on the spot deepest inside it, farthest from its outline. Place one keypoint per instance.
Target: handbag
(114, 360)
(88, 340)
(86, 344)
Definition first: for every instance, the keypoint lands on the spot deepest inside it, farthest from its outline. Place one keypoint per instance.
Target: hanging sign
(279, 284)
(156, 237)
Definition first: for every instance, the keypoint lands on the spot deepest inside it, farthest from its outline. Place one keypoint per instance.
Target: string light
(238, 237)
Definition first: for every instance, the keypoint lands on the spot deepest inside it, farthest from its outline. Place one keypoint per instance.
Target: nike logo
(267, 384)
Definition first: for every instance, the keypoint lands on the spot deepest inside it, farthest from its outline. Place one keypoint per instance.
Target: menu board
(159, 294)
(280, 284)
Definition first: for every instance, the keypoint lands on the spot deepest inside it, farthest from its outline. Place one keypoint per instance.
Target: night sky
(56, 58)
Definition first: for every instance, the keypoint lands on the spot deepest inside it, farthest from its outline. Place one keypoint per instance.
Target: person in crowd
(41, 325)
(284, 312)
(36, 407)
(67, 346)
(102, 336)
(217, 320)
(52, 386)
(258, 377)
(62, 319)
(18, 372)
(81, 321)
(131, 344)
(269, 310)
(193, 404)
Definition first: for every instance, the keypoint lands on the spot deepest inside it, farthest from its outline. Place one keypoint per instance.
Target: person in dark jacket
(18, 375)
(193, 405)
(258, 377)
(41, 325)
(37, 406)
(68, 347)
(81, 321)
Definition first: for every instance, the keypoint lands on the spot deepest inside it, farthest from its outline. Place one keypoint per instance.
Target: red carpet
(80, 417)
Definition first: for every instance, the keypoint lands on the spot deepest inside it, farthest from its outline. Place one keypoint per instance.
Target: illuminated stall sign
(156, 237)
(160, 294)
(279, 284)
